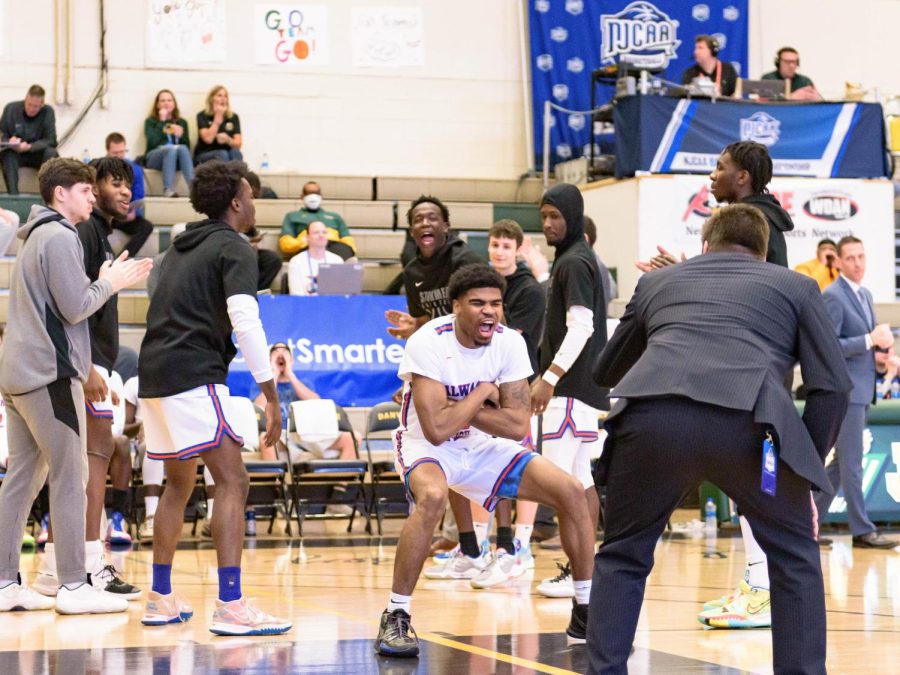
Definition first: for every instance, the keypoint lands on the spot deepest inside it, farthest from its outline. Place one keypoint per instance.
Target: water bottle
(710, 517)
(264, 164)
(250, 525)
(86, 156)
(895, 388)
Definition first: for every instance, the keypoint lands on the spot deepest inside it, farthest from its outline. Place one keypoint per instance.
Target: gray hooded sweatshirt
(50, 299)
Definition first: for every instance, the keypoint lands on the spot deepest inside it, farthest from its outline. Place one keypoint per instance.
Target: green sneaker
(396, 636)
(27, 540)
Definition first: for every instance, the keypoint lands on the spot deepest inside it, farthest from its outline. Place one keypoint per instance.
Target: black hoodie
(426, 279)
(779, 223)
(188, 341)
(574, 280)
(524, 303)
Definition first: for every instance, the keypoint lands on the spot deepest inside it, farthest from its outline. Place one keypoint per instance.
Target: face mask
(313, 201)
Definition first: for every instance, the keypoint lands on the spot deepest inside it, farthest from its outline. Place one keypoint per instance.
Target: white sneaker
(145, 531)
(46, 583)
(500, 570)
(87, 599)
(560, 586)
(16, 597)
(524, 559)
(460, 566)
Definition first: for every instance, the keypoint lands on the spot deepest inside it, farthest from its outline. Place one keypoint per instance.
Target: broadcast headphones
(711, 42)
(786, 49)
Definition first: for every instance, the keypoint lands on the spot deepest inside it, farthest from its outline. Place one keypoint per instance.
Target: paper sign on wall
(291, 35)
(186, 32)
(388, 37)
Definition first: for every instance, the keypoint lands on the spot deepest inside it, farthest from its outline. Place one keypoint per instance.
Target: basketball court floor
(334, 587)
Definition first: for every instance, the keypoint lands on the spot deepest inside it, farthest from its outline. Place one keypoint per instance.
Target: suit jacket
(851, 326)
(724, 329)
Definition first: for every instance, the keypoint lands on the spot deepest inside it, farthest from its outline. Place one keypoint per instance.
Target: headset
(711, 42)
(786, 49)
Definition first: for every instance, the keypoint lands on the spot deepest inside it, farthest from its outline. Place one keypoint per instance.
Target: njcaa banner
(340, 345)
(572, 38)
(669, 135)
(672, 210)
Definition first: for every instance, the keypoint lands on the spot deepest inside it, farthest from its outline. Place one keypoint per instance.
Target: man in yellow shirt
(825, 267)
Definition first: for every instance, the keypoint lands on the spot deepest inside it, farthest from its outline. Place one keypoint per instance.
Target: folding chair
(268, 491)
(388, 486)
(317, 483)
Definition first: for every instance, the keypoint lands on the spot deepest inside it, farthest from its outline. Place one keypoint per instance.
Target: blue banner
(825, 140)
(572, 38)
(340, 344)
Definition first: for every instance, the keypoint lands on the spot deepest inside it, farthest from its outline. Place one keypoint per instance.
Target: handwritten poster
(291, 35)
(186, 31)
(391, 37)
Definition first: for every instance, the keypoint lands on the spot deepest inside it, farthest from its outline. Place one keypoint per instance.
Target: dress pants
(658, 451)
(845, 470)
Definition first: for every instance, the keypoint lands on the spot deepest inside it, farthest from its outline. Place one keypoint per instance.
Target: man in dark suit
(851, 310)
(698, 365)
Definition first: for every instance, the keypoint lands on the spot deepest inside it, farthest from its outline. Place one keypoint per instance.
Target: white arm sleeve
(579, 328)
(243, 311)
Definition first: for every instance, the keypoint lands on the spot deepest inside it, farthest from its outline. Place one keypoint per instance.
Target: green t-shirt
(797, 82)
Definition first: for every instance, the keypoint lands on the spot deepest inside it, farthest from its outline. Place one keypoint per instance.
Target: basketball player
(465, 408)
(206, 289)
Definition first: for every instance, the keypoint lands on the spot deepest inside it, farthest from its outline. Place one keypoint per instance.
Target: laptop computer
(346, 279)
(770, 90)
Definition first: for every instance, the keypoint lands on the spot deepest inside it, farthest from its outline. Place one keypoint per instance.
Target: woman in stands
(168, 144)
(219, 129)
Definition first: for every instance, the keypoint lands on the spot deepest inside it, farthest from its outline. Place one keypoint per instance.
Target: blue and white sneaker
(460, 566)
(524, 559)
(44, 534)
(443, 556)
(117, 531)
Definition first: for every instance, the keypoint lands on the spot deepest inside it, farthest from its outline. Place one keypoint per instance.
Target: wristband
(550, 377)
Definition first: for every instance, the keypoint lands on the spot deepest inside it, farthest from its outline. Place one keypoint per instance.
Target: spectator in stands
(610, 287)
(786, 63)
(219, 129)
(303, 269)
(260, 191)
(887, 381)
(28, 130)
(134, 224)
(9, 223)
(291, 389)
(269, 261)
(825, 267)
(168, 142)
(708, 67)
(293, 229)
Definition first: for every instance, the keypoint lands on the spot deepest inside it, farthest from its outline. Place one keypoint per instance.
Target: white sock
(93, 556)
(398, 601)
(756, 573)
(150, 504)
(209, 508)
(523, 534)
(48, 564)
(481, 532)
(582, 591)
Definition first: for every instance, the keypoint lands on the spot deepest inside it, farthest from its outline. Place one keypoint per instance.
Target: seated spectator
(168, 143)
(28, 131)
(260, 191)
(887, 381)
(786, 63)
(134, 225)
(303, 269)
(293, 229)
(9, 223)
(269, 262)
(219, 129)
(708, 67)
(291, 389)
(825, 267)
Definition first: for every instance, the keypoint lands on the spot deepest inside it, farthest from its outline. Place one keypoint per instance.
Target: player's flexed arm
(442, 417)
(512, 417)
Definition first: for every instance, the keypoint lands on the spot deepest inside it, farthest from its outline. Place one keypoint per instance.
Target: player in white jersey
(466, 406)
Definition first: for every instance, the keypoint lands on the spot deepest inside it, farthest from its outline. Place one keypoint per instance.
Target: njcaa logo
(830, 206)
(645, 34)
(761, 128)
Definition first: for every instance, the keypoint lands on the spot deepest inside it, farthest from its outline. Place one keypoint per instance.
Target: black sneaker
(110, 581)
(396, 636)
(577, 630)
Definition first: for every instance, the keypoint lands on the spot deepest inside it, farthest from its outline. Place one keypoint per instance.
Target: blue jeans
(224, 155)
(169, 159)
